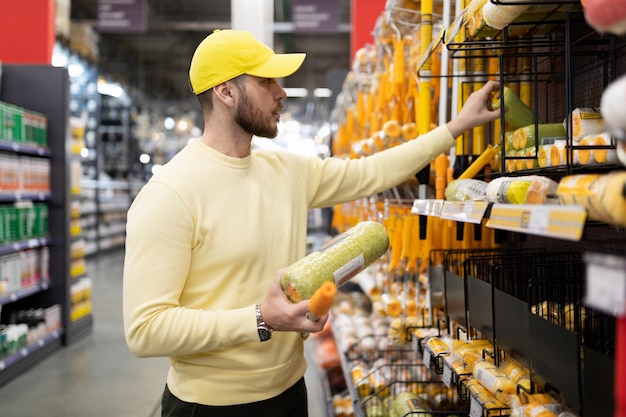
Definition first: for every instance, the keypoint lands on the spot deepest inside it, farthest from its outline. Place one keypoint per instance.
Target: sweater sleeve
(159, 240)
(346, 180)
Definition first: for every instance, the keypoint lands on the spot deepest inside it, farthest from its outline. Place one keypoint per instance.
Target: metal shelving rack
(570, 66)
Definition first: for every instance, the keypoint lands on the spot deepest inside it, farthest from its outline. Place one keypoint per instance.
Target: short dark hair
(205, 98)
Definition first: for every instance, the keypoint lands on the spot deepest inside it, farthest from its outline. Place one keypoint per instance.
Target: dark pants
(291, 403)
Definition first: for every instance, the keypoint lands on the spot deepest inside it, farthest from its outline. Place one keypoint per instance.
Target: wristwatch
(265, 331)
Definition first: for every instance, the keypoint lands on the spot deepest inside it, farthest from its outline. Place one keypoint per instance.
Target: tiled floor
(98, 376)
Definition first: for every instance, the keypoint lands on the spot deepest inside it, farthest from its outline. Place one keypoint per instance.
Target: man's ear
(224, 93)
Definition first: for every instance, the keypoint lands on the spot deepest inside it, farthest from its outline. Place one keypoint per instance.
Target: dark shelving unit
(45, 89)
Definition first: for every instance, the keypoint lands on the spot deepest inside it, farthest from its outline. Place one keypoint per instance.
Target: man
(209, 234)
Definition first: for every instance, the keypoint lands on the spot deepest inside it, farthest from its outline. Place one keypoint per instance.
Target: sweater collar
(241, 163)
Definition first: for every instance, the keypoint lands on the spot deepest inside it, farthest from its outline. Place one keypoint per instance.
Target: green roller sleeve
(407, 403)
(376, 410)
(339, 260)
(516, 113)
(524, 136)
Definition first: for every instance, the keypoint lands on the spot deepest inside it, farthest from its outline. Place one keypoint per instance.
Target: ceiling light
(75, 69)
(323, 92)
(110, 89)
(182, 125)
(169, 123)
(296, 92)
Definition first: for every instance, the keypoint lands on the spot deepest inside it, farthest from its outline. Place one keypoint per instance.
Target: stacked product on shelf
(24, 233)
(40, 244)
(100, 142)
(484, 291)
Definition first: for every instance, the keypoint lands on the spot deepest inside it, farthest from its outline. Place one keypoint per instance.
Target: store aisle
(98, 376)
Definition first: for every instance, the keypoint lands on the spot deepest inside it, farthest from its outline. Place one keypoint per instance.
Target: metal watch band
(265, 332)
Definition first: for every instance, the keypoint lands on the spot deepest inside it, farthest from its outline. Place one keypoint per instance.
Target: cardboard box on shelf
(84, 39)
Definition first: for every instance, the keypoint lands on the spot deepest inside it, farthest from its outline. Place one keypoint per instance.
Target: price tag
(468, 208)
(606, 283)
(476, 408)
(415, 342)
(421, 207)
(426, 357)
(538, 220)
(437, 207)
(447, 375)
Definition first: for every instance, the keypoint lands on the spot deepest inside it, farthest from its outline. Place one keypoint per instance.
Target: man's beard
(253, 121)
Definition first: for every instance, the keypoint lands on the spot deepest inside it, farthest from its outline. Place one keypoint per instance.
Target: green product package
(339, 260)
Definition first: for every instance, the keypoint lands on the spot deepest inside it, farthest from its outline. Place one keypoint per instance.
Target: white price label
(606, 288)
(476, 408)
(468, 208)
(426, 357)
(437, 207)
(539, 219)
(415, 343)
(447, 375)
(420, 207)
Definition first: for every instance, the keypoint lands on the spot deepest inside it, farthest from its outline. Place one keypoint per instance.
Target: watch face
(264, 334)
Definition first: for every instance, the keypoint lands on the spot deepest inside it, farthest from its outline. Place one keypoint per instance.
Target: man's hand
(282, 315)
(475, 111)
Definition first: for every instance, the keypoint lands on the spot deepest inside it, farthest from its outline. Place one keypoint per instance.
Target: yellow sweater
(205, 238)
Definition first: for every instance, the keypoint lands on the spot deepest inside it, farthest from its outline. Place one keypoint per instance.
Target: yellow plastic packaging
(603, 195)
(529, 189)
(494, 381)
(586, 121)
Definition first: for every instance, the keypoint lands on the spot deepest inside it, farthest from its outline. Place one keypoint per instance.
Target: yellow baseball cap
(226, 54)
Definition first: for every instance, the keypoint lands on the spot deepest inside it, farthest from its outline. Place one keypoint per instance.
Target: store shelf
(12, 366)
(23, 149)
(465, 211)
(345, 366)
(106, 202)
(555, 63)
(555, 221)
(23, 196)
(23, 293)
(44, 89)
(28, 244)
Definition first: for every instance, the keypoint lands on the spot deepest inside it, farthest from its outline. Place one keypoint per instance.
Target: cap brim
(278, 66)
